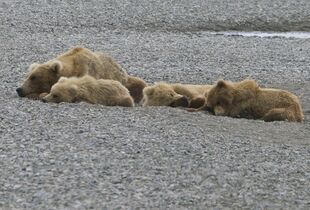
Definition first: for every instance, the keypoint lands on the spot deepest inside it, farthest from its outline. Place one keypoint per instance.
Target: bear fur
(135, 85)
(88, 89)
(175, 95)
(77, 62)
(246, 99)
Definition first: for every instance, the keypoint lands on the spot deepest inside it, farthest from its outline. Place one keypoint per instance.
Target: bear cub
(175, 95)
(88, 89)
(246, 99)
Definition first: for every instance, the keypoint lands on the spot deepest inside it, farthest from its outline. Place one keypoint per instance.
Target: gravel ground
(82, 156)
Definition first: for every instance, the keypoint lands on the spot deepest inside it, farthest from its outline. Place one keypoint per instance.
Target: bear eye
(33, 78)
(55, 96)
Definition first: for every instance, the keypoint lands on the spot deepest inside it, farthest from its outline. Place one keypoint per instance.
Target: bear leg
(180, 102)
(135, 85)
(126, 102)
(279, 114)
(196, 102)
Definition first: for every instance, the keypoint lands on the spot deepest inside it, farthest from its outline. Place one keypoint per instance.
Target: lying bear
(88, 89)
(175, 95)
(77, 62)
(247, 99)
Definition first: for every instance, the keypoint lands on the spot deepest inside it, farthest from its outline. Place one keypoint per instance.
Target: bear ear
(56, 66)
(62, 79)
(149, 90)
(73, 90)
(32, 66)
(221, 84)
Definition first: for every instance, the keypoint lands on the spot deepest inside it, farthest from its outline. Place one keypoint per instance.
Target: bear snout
(20, 92)
(209, 109)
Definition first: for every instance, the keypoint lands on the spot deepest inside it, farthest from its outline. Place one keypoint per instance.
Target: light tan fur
(77, 62)
(185, 95)
(247, 99)
(88, 89)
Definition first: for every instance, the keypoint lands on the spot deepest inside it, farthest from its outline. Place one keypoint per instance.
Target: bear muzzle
(210, 109)
(20, 92)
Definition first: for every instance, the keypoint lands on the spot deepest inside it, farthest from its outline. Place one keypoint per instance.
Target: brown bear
(102, 91)
(246, 99)
(77, 62)
(182, 95)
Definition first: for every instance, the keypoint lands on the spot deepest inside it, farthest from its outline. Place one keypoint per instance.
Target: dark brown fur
(135, 85)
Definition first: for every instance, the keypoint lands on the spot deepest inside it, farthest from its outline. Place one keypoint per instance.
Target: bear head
(163, 95)
(62, 91)
(220, 98)
(41, 78)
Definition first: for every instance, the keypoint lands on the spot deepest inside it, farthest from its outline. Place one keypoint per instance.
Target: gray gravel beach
(83, 156)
